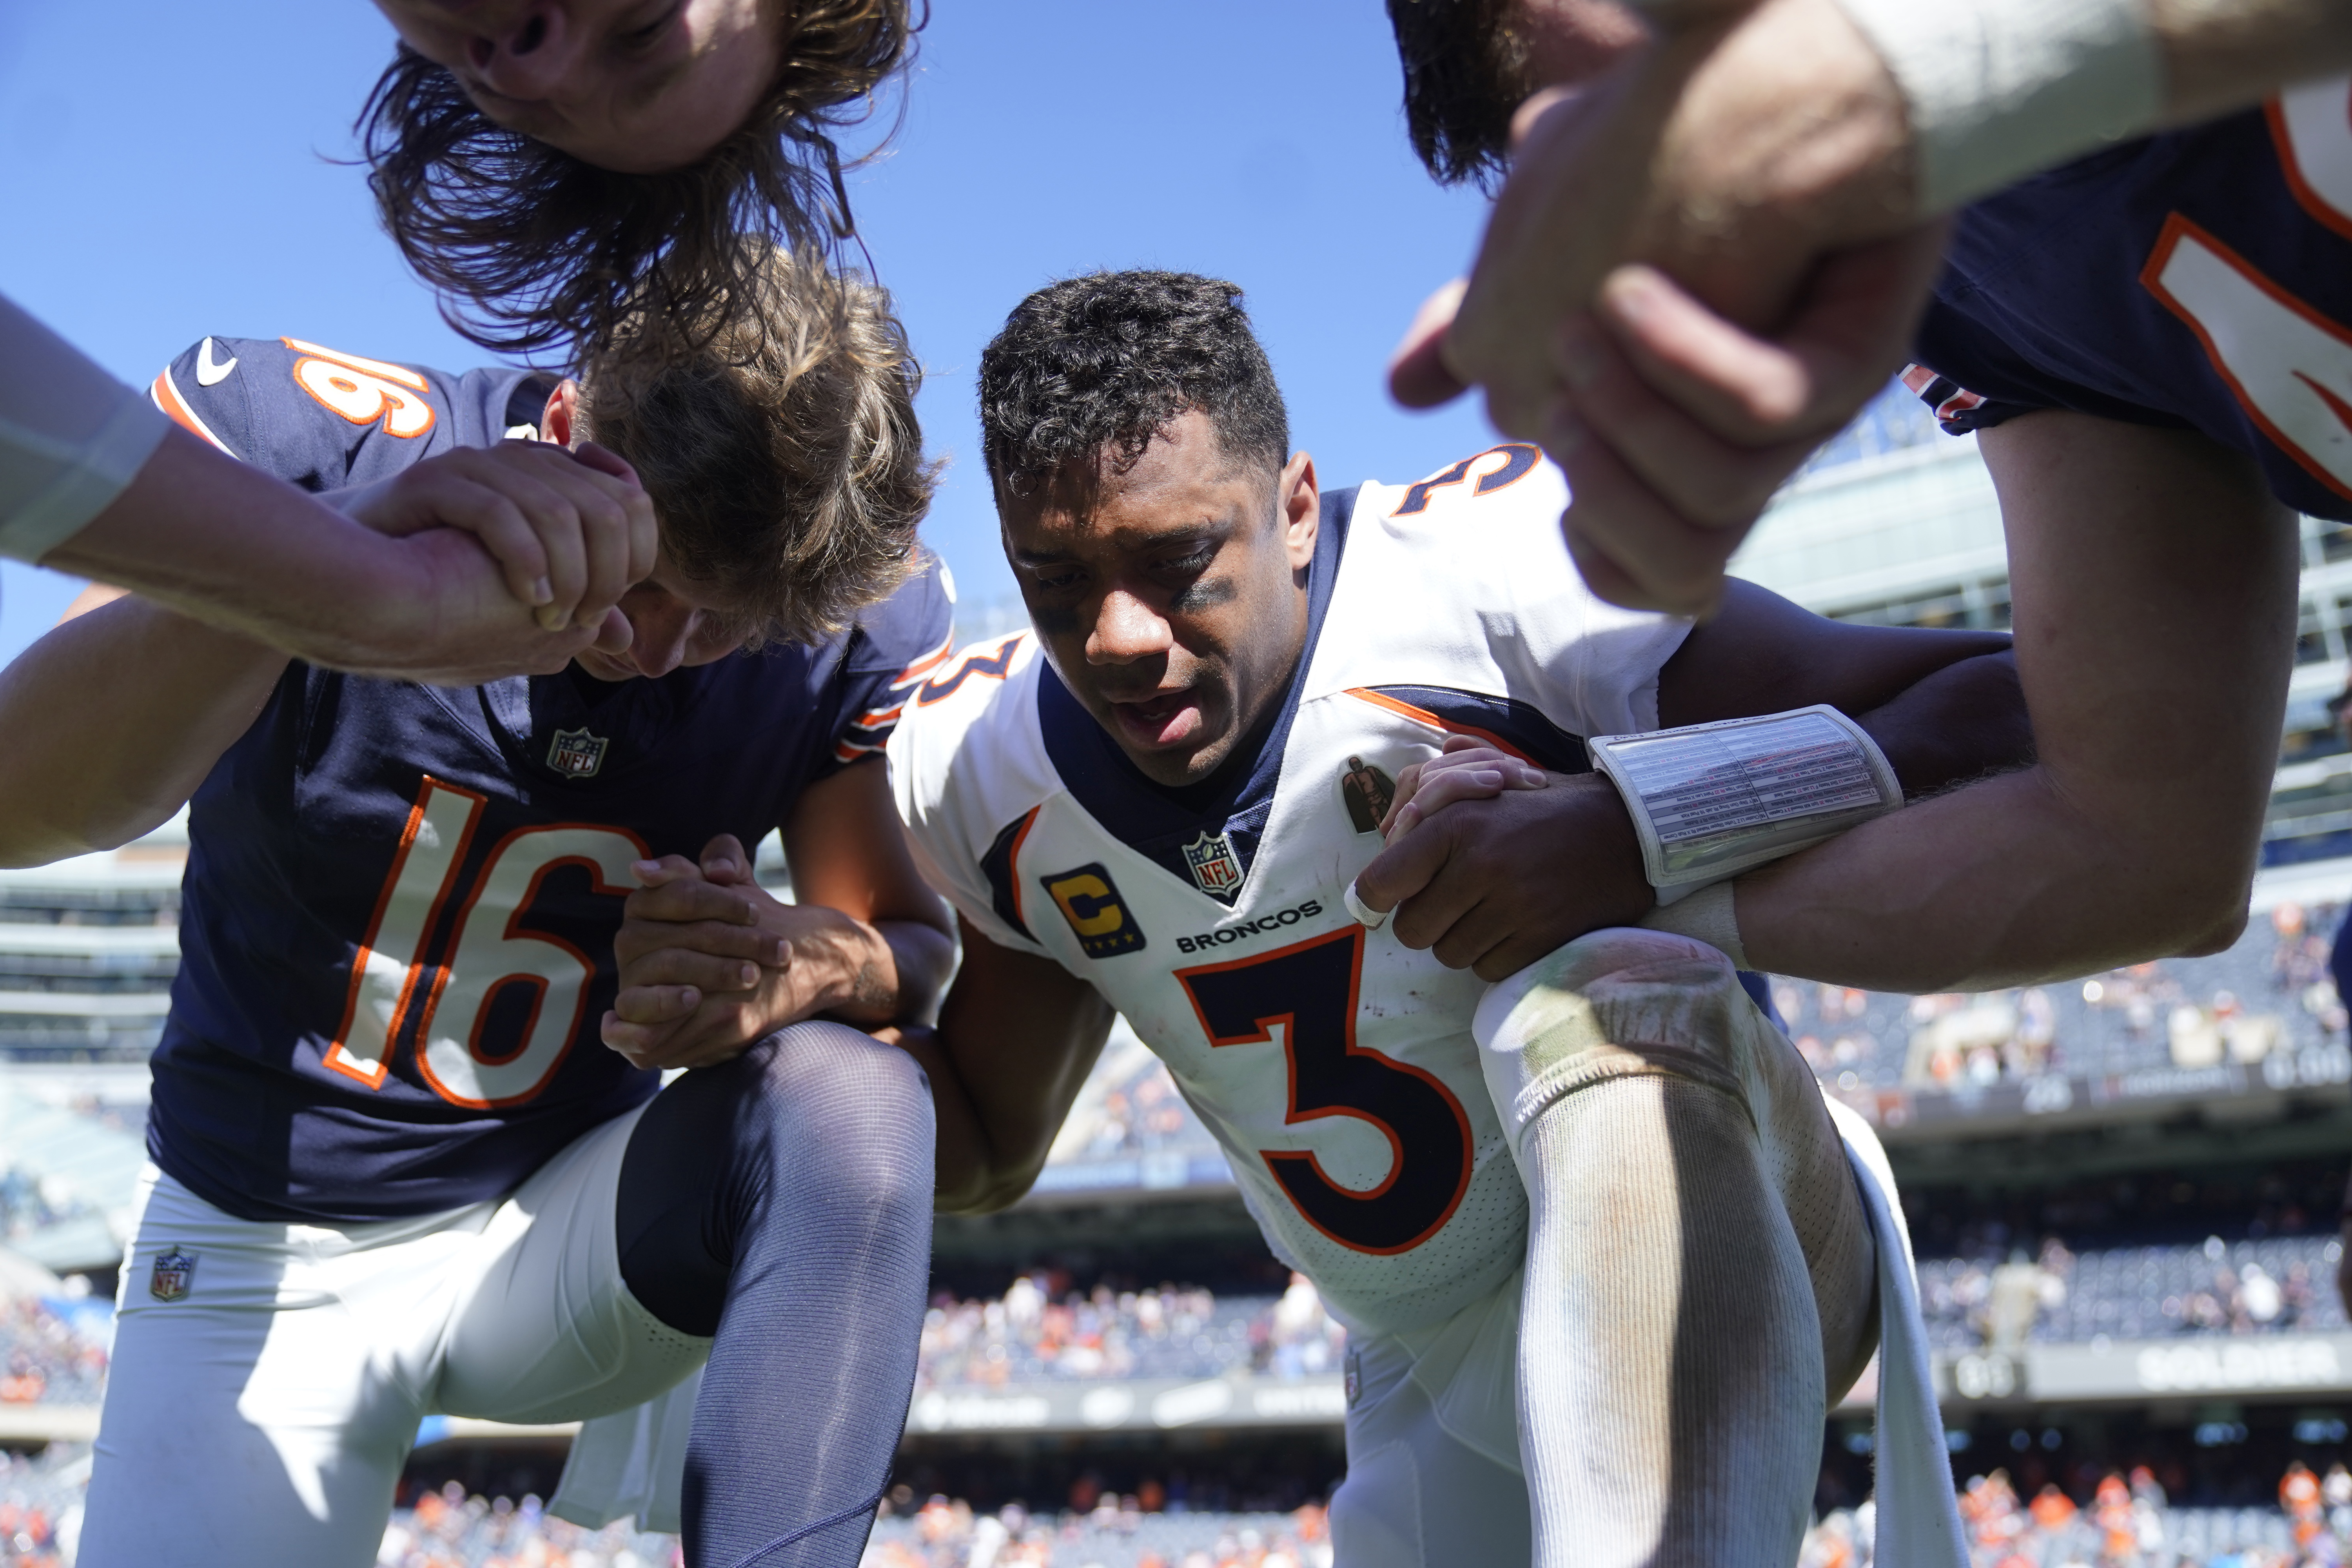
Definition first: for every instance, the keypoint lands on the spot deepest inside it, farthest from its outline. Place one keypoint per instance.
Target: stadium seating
(449, 1530)
(87, 950)
(1025, 1337)
(2277, 1284)
(51, 1354)
(1114, 1534)
(2267, 1005)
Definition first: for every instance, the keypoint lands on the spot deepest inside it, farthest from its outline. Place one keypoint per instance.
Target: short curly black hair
(1090, 368)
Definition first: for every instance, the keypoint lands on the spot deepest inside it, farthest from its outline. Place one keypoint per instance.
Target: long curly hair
(1465, 70)
(532, 249)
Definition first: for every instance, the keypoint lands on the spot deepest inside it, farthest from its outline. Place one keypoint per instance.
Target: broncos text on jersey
(2201, 279)
(398, 913)
(1335, 1066)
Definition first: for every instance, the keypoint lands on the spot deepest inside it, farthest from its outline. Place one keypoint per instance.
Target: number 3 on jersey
(1309, 989)
(391, 979)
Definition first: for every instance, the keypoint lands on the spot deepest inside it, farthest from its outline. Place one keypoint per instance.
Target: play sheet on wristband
(1715, 799)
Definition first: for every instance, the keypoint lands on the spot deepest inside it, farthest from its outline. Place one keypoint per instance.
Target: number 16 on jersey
(394, 978)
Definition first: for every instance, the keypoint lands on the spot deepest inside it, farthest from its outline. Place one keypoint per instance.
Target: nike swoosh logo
(209, 373)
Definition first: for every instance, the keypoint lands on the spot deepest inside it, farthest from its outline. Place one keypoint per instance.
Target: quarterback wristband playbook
(1710, 801)
(1997, 89)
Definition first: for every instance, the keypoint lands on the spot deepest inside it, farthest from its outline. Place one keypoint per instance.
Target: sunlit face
(1171, 598)
(637, 86)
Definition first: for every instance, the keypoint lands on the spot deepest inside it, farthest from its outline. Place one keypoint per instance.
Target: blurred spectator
(1025, 1335)
(1129, 1106)
(1300, 1339)
(30, 1202)
(2018, 1292)
(1113, 1533)
(2126, 1292)
(449, 1530)
(2123, 1525)
(53, 1350)
(2266, 1004)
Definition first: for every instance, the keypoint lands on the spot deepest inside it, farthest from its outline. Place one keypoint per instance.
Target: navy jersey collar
(1164, 821)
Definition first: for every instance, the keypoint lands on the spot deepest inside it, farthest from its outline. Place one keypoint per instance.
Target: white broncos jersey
(1334, 1064)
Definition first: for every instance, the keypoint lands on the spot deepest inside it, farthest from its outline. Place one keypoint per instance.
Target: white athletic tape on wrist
(1710, 801)
(1707, 916)
(1997, 89)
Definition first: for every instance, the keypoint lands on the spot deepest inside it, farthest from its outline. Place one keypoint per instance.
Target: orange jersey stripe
(167, 398)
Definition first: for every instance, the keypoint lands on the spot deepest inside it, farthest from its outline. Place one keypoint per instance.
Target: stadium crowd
(1131, 1108)
(2284, 1283)
(1028, 1334)
(2267, 1005)
(31, 1202)
(52, 1350)
(448, 1529)
(1040, 1329)
(1116, 1532)
(2124, 1520)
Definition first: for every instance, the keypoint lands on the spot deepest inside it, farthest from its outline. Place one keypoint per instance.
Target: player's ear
(1301, 504)
(559, 421)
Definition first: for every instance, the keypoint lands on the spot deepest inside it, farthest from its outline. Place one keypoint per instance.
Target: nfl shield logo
(175, 1268)
(576, 754)
(1211, 859)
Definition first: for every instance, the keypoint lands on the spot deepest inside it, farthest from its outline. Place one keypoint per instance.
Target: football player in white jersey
(1599, 1244)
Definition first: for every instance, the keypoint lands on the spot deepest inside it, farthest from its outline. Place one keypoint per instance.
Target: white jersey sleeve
(1489, 528)
(969, 772)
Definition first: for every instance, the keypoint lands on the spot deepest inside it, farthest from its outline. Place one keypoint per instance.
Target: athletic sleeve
(71, 437)
(313, 416)
(896, 643)
(970, 777)
(1973, 379)
(1592, 666)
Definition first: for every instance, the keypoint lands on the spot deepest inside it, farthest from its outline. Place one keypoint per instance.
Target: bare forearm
(2002, 883)
(118, 715)
(2223, 54)
(238, 550)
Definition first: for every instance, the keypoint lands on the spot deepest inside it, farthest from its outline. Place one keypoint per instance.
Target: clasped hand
(567, 531)
(1758, 160)
(711, 962)
(1491, 863)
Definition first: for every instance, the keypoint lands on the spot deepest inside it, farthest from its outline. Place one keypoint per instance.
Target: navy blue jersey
(398, 913)
(2201, 279)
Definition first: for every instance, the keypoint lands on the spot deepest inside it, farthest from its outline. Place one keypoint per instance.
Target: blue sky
(175, 178)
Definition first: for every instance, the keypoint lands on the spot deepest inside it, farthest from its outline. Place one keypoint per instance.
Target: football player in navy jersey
(1603, 1252)
(2152, 341)
(395, 1168)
